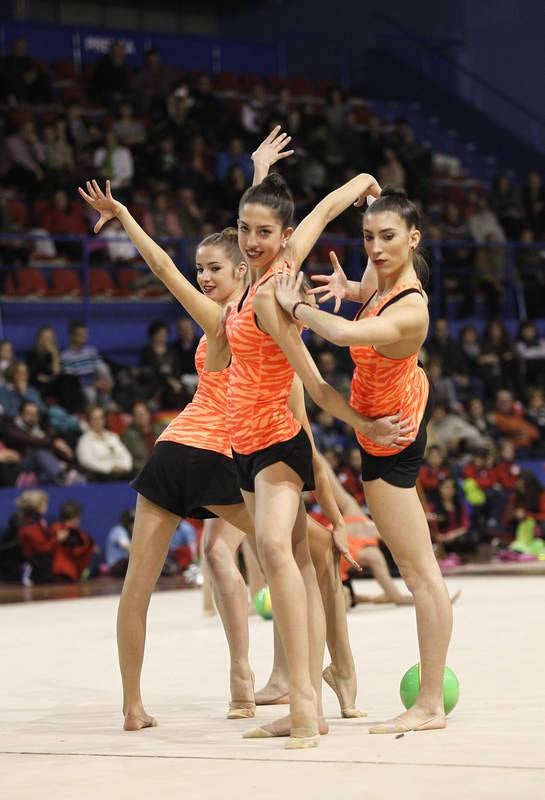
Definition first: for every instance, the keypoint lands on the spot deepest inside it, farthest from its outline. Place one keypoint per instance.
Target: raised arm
(202, 309)
(308, 231)
(339, 287)
(269, 152)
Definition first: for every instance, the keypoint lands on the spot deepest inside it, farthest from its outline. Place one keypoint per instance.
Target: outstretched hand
(104, 204)
(334, 285)
(287, 288)
(272, 147)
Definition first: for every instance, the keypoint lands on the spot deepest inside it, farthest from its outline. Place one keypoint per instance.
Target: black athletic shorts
(295, 452)
(400, 469)
(183, 480)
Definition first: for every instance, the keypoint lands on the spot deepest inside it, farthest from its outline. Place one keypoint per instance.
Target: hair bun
(394, 191)
(229, 233)
(276, 183)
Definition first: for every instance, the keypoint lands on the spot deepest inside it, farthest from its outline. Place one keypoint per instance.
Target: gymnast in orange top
(384, 340)
(271, 450)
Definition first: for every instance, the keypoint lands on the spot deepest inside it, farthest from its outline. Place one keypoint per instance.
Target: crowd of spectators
(177, 149)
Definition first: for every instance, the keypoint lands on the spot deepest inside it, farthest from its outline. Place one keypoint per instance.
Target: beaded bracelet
(298, 303)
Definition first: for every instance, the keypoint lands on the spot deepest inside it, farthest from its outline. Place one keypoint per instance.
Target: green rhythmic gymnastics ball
(262, 603)
(410, 686)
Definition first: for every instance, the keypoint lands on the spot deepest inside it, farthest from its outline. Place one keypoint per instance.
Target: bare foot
(273, 694)
(281, 727)
(345, 689)
(242, 705)
(414, 719)
(138, 720)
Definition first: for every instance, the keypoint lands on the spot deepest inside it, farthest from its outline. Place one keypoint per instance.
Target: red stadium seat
(17, 212)
(101, 283)
(27, 282)
(65, 283)
(126, 278)
(118, 422)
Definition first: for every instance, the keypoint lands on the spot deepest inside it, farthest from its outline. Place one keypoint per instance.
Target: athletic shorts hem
(296, 453)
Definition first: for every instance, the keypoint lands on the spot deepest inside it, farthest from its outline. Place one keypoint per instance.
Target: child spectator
(528, 515)
(75, 548)
(509, 421)
(433, 471)
(37, 542)
(118, 545)
(530, 347)
(18, 390)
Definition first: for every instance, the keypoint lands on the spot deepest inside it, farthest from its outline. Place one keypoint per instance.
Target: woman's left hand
(288, 288)
(341, 543)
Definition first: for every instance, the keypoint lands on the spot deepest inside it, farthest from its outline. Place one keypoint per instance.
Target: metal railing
(457, 268)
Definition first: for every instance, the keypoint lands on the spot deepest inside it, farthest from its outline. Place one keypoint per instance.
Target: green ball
(410, 687)
(262, 603)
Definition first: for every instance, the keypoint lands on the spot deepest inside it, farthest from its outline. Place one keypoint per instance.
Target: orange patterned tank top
(260, 381)
(202, 422)
(382, 386)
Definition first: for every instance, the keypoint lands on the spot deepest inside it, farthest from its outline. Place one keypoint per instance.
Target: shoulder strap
(397, 297)
(364, 306)
(242, 299)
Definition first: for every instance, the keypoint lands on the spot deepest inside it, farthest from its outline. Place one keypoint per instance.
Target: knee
(214, 553)
(273, 553)
(420, 576)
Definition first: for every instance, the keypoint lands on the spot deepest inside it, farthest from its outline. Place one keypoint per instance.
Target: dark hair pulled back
(393, 198)
(274, 193)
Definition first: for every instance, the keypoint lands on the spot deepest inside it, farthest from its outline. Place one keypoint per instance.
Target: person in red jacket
(74, 546)
(37, 542)
(434, 469)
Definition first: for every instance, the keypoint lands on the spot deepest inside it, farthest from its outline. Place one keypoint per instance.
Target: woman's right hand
(271, 149)
(391, 431)
(104, 204)
(334, 285)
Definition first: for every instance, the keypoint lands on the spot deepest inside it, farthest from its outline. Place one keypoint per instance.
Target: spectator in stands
(140, 436)
(234, 155)
(435, 469)
(530, 260)
(44, 360)
(118, 245)
(442, 346)
(22, 159)
(333, 374)
(114, 162)
(507, 206)
(254, 111)
(208, 111)
(160, 220)
(59, 155)
(509, 422)
(37, 542)
(498, 360)
(179, 125)
(64, 217)
(110, 81)
(74, 546)
(46, 457)
(13, 252)
(467, 359)
(82, 359)
(506, 469)
(477, 417)
(452, 433)
(81, 134)
(190, 216)
(536, 415)
(232, 189)
(530, 347)
(7, 359)
(533, 198)
(454, 529)
(152, 83)
(101, 452)
(349, 474)
(444, 387)
(185, 346)
(415, 157)
(129, 130)
(454, 229)
(483, 222)
(118, 544)
(390, 171)
(160, 369)
(374, 143)
(17, 390)
(23, 80)
(335, 107)
(164, 169)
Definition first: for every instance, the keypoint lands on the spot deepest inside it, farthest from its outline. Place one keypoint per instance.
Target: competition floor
(60, 701)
